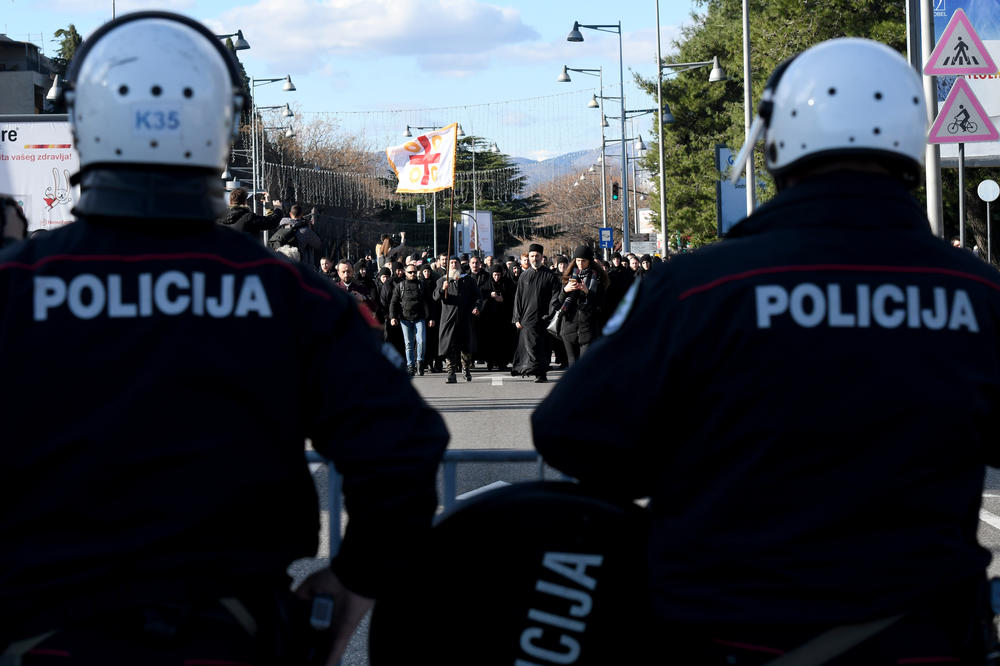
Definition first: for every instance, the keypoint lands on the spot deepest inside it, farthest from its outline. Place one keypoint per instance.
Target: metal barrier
(452, 458)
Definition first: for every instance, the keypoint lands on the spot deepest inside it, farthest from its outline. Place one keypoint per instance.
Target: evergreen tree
(707, 114)
(69, 40)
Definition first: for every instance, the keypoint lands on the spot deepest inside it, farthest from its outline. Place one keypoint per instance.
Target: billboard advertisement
(984, 15)
(36, 162)
(730, 198)
(468, 233)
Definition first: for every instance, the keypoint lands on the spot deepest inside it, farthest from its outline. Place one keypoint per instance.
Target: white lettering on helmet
(172, 293)
(887, 305)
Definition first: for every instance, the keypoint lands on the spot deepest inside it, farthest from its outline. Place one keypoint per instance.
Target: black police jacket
(153, 443)
(815, 396)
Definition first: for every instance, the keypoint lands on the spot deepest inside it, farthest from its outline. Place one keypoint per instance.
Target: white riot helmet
(154, 88)
(842, 98)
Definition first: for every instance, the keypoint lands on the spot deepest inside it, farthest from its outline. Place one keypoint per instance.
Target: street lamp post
(659, 120)
(254, 82)
(665, 117)
(564, 78)
(640, 146)
(576, 36)
(747, 110)
(240, 44)
(475, 204)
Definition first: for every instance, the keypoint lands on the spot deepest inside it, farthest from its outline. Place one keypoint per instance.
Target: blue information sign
(607, 237)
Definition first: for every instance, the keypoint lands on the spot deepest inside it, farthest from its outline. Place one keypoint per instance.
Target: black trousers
(574, 350)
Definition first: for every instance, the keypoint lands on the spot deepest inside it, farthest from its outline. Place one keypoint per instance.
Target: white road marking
(483, 489)
(496, 380)
(989, 518)
(990, 495)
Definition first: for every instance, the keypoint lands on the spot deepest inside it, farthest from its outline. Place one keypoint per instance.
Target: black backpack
(283, 235)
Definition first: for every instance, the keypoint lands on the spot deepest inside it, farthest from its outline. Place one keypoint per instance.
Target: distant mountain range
(540, 172)
(544, 171)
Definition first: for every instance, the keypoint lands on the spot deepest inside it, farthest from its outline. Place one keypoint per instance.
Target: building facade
(25, 77)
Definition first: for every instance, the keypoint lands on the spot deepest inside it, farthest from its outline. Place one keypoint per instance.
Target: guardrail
(452, 458)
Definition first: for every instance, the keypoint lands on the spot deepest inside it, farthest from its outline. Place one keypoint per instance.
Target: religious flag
(426, 163)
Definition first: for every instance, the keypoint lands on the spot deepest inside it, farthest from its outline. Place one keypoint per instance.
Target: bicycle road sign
(959, 51)
(962, 118)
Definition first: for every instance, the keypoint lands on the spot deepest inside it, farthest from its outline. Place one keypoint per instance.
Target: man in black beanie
(537, 296)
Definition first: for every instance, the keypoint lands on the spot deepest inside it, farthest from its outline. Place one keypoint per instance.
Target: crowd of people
(450, 314)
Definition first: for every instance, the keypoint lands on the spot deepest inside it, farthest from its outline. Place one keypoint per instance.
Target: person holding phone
(580, 300)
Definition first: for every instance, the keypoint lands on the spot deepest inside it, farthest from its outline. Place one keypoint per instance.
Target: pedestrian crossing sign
(962, 118)
(959, 51)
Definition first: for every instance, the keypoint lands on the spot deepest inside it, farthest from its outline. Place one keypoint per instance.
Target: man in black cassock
(460, 304)
(537, 296)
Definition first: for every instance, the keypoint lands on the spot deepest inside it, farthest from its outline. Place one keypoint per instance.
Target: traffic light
(614, 191)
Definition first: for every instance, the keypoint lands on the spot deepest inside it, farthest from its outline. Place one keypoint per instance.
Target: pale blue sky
(387, 56)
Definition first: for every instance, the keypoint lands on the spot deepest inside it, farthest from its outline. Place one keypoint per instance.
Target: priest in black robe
(460, 304)
(537, 296)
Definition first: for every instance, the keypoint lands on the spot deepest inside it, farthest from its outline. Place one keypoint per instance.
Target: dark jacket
(580, 323)
(241, 218)
(498, 334)
(621, 279)
(536, 297)
(409, 301)
(833, 364)
(161, 466)
(456, 331)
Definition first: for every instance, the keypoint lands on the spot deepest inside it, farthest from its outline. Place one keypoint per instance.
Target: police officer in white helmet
(831, 368)
(153, 484)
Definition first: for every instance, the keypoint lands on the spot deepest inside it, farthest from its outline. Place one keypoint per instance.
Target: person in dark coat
(831, 342)
(384, 276)
(460, 303)
(537, 296)
(584, 284)
(347, 281)
(393, 334)
(428, 281)
(239, 217)
(364, 274)
(496, 344)
(409, 310)
(481, 275)
(620, 280)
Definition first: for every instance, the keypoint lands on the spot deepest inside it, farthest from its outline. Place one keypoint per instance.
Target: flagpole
(451, 225)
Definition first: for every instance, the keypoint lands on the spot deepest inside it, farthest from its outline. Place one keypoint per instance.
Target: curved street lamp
(239, 43)
(594, 104)
(576, 36)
